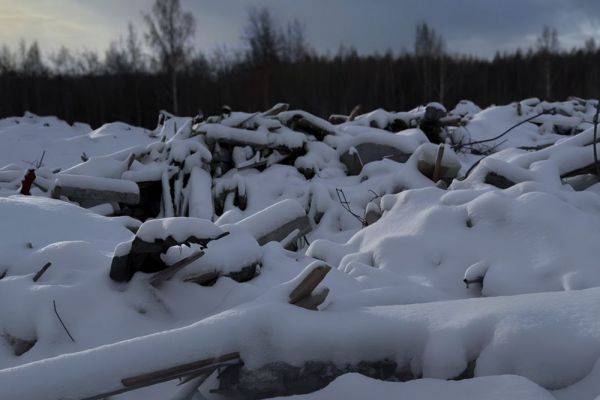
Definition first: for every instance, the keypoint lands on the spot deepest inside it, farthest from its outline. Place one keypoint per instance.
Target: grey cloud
(469, 26)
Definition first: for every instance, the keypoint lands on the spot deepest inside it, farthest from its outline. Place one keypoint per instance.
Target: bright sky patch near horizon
(479, 27)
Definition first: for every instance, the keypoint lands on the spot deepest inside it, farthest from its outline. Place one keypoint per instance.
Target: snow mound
(359, 387)
(431, 237)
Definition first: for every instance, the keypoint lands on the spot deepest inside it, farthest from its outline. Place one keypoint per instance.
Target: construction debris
(283, 220)
(437, 162)
(243, 202)
(91, 191)
(153, 239)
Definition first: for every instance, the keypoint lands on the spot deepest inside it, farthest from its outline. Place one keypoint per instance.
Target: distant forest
(156, 66)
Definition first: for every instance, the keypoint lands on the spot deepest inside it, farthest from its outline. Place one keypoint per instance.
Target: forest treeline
(158, 67)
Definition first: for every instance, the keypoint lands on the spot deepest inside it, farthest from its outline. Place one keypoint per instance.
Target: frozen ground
(485, 288)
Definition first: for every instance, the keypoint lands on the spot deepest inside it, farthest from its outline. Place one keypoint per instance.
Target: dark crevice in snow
(20, 346)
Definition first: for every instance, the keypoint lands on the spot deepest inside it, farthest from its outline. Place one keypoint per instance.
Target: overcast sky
(469, 26)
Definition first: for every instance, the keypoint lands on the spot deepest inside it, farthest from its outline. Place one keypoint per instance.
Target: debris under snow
(425, 253)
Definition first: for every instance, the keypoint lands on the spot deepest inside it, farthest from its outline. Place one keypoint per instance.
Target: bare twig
(61, 321)
(346, 205)
(472, 167)
(40, 162)
(375, 195)
(303, 237)
(470, 144)
(491, 149)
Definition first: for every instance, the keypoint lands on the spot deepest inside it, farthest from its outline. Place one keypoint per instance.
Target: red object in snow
(27, 182)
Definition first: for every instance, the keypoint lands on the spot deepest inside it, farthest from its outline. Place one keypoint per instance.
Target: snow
(42, 222)
(269, 219)
(200, 203)
(438, 235)
(435, 340)
(498, 288)
(286, 116)
(25, 138)
(95, 183)
(406, 141)
(359, 387)
(218, 255)
(179, 228)
(283, 137)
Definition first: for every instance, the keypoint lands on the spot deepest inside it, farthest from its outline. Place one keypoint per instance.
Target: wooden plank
(167, 273)
(276, 109)
(196, 368)
(309, 283)
(177, 371)
(204, 278)
(354, 112)
(313, 301)
(438, 163)
(300, 224)
(99, 196)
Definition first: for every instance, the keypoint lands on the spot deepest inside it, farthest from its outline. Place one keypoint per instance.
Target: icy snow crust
(526, 323)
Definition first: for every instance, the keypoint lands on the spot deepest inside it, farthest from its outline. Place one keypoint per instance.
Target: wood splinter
(196, 367)
(438, 163)
(41, 272)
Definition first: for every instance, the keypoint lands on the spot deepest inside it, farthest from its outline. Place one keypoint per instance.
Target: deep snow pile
(472, 258)
(515, 241)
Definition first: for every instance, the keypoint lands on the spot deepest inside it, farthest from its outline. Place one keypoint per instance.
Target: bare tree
(548, 46)
(88, 63)
(125, 55)
(115, 58)
(264, 48)
(8, 62)
(547, 42)
(31, 62)
(430, 50)
(295, 46)
(63, 62)
(427, 42)
(135, 57)
(262, 37)
(169, 33)
(590, 45)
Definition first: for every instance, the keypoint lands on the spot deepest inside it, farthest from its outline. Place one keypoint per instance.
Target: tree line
(276, 64)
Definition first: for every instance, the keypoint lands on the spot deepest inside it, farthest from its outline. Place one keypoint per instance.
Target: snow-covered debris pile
(421, 253)
(355, 386)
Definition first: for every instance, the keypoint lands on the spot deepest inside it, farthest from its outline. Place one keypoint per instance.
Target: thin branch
(61, 321)
(470, 144)
(40, 163)
(346, 205)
